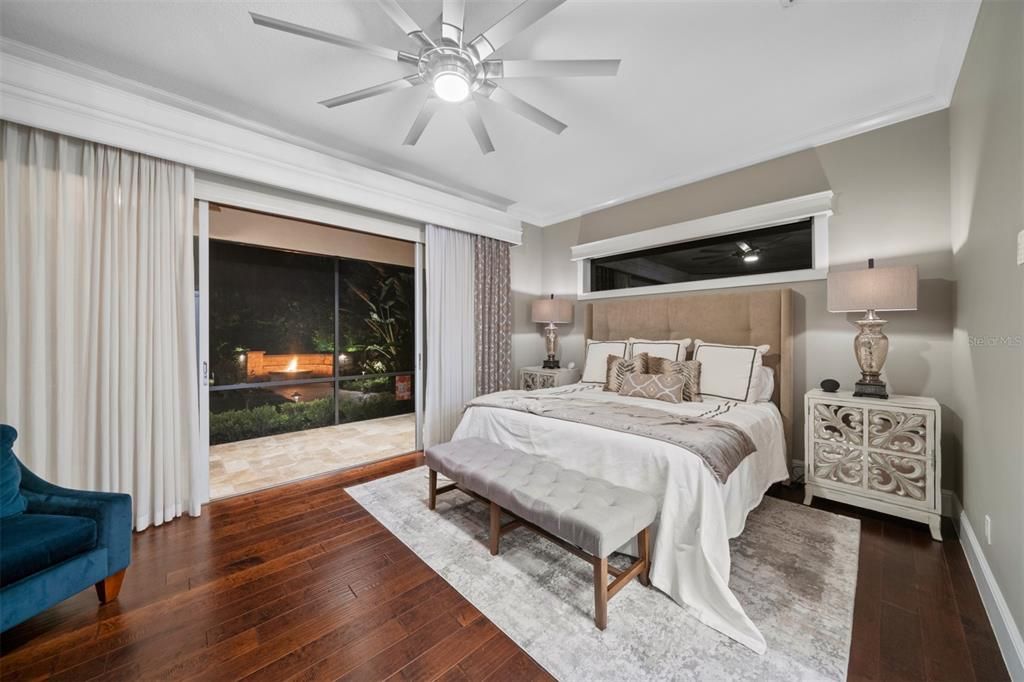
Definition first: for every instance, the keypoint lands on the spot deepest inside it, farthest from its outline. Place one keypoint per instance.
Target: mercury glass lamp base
(871, 346)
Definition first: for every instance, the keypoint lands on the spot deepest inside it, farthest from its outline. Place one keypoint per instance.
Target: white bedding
(690, 558)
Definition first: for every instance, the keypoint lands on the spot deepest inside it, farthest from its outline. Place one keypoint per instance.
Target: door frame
(289, 207)
(203, 347)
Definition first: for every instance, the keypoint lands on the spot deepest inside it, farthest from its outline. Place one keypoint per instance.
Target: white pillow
(727, 371)
(763, 385)
(595, 369)
(670, 350)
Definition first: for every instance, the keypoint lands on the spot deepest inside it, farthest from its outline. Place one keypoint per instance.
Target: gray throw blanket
(720, 444)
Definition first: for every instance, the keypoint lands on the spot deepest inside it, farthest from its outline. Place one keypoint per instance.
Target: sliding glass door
(271, 342)
(376, 340)
(309, 344)
(300, 341)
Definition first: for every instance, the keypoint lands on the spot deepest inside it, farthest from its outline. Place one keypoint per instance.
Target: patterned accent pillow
(689, 370)
(618, 368)
(667, 387)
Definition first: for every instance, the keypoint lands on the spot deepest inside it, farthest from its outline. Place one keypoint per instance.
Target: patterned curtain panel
(493, 304)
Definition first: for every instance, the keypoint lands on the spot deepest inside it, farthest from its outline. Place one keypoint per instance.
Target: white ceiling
(704, 87)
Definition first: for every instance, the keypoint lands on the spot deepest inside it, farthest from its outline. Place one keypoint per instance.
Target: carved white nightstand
(876, 454)
(531, 378)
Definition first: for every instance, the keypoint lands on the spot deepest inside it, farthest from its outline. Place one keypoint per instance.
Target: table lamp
(552, 311)
(870, 291)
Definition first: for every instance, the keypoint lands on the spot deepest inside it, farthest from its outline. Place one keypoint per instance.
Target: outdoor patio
(248, 465)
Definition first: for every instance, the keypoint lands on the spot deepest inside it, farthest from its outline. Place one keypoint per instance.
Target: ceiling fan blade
(334, 39)
(497, 94)
(405, 22)
(420, 124)
(453, 13)
(551, 68)
(373, 91)
(471, 111)
(510, 25)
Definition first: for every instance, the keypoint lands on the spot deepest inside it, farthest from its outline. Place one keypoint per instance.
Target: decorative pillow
(667, 387)
(595, 369)
(618, 368)
(727, 371)
(672, 350)
(763, 385)
(689, 370)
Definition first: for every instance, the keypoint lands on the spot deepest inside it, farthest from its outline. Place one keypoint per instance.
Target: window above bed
(784, 241)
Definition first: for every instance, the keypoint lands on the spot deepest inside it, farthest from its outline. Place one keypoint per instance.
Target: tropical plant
(386, 317)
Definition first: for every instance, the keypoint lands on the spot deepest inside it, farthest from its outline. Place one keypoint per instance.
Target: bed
(698, 514)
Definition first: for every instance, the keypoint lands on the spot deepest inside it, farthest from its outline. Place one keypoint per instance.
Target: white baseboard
(1007, 633)
(951, 506)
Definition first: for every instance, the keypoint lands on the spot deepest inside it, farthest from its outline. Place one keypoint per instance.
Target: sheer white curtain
(97, 338)
(451, 346)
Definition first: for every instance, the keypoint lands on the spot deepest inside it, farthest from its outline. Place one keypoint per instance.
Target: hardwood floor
(917, 614)
(300, 582)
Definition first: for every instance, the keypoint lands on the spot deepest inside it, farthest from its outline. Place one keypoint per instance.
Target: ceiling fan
(459, 71)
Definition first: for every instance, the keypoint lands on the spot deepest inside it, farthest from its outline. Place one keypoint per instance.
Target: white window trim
(264, 199)
(816, 206)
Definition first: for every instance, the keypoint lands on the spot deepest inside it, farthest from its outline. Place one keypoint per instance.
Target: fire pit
(291, 372)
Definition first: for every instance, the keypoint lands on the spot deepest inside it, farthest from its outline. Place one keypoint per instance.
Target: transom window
(777, 243)
(780, 248)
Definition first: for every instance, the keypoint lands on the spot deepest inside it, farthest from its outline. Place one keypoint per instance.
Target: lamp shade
(873, 289)
(557, 310)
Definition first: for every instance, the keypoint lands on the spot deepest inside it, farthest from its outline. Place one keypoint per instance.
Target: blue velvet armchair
(56, 542)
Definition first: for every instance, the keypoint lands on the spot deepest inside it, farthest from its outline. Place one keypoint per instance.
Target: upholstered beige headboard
(747, 318)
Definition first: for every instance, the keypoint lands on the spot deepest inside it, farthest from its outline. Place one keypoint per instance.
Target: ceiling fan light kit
(451, 72)
(457, 72)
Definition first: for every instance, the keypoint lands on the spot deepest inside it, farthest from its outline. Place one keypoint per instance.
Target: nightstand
(531, 378)
(876, 454)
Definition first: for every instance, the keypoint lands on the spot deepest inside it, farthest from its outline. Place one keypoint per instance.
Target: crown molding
(911, 109)
(117, 112)
(948, 63)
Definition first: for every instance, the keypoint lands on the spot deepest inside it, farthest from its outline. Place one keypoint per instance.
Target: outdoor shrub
(268, 420)
(373, 406)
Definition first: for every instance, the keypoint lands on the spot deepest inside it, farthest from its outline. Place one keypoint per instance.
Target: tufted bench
(587, 516)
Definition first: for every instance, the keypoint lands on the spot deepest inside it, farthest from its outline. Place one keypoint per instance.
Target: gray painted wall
(987, 190)
(891, 203)
(527, 285)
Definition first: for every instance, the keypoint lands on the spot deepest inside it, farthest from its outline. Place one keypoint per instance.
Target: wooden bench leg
(643, 540)
(108, 588)
(495, 529)
(432, 499)
(601, 593)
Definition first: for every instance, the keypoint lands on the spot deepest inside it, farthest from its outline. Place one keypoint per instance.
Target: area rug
(794, 569)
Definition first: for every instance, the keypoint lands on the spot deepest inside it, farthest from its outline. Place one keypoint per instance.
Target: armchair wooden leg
(495, 529)
(644, 542)
(432, 502)
(108, 588)
(601, 593)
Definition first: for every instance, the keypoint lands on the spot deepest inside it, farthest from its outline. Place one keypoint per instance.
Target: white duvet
(690, 558)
